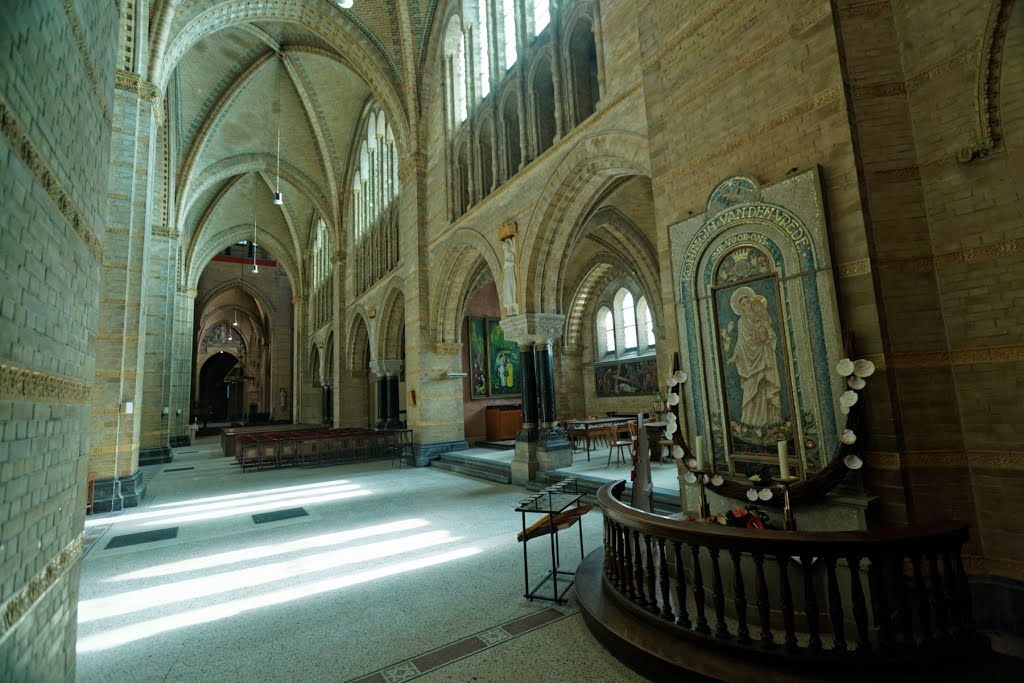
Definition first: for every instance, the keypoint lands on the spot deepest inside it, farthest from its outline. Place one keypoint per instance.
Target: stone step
(664, 503)
(479, 469)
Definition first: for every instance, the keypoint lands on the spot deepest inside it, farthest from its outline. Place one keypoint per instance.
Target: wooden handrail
(899, 594)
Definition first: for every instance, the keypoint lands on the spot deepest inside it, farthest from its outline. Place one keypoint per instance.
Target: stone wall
(54, 147)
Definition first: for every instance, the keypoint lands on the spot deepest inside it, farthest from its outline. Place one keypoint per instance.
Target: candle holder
(788, 519)
(703, 510)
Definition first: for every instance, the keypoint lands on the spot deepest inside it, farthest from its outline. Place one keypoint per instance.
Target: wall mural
(477, 358)
(758, 322)
(495, 367)
(223, 335)
(630, 378)
(504, 363)
(753, 364)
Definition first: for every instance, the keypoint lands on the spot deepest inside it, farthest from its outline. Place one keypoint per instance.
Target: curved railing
(896, 594)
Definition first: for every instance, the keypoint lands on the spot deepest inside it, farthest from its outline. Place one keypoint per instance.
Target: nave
(391, 575)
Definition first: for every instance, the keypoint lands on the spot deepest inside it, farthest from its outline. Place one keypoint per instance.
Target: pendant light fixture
(235, 323)
(255, 268)
(278, 197)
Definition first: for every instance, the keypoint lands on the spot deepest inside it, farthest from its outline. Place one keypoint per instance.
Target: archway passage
(218, 400)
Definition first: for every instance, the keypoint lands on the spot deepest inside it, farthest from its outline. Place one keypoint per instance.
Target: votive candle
(699, 452)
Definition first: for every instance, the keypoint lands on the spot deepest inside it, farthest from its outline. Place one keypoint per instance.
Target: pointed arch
(462, 259)
(357, 340)
(592, 166)
(392, 321)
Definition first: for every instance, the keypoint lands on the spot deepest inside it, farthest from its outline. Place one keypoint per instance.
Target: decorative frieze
(22, 601)
(26, 151)
(22, 384)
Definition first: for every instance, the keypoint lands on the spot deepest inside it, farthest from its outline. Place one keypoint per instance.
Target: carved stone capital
(533, 328)
(386, 368)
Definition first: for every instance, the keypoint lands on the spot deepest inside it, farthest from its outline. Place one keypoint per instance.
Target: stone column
(120, 346)
(157, 415)
(550, 449)
(181, 365)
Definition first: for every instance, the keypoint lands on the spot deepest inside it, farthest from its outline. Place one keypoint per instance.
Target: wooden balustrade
(900, 594)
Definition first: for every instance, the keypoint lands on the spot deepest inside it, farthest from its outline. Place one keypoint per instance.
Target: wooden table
(591, 425)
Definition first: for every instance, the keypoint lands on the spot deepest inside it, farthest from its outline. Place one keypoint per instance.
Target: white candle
(783, 460)
(699, 452)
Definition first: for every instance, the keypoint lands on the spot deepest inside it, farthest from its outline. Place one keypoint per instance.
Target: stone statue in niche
(509, 293)
(284, 400)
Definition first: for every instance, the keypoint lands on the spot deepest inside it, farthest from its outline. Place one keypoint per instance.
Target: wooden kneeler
(562, 521)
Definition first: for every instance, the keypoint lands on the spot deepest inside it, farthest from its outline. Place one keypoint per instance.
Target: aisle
(359, 570)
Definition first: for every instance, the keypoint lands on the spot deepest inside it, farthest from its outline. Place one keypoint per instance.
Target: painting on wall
(504, 365)
(477, 358)
(632, 378)
(753, 365)
(223, 335)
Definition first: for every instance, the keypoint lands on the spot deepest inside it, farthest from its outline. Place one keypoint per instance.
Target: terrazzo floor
(392, 575)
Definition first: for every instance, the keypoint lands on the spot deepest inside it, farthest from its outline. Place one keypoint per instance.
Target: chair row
(317, 447)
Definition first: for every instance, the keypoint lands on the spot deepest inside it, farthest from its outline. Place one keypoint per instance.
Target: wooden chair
(616, 442)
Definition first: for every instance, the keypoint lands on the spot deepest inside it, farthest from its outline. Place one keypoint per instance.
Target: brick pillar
(157, 413)
(120, 345)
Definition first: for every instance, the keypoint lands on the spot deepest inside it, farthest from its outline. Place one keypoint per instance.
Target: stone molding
(22, 146)
(533, 328)
(447, 348)
(22, 601)
(131, 82)
(165, 231)
(23, 384)
(978, 564)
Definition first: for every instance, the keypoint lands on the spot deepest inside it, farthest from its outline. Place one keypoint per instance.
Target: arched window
(606, 330)
(455, 67)
(643, 316)
(626, 327)
(541, 15)
(321, 293)
(483, 60)
(628, 313)
(374, 199)
(508, 23)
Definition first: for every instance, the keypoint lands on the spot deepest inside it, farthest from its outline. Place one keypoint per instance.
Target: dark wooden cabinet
(503, 422)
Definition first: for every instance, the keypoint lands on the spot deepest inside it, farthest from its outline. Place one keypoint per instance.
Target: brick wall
(54, 146)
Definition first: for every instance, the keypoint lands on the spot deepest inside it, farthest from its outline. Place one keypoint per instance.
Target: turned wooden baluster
(860, 610)
(740, 598)
(905, 615)
(964, 591)
(638, 568)
(682, 617)
(880, 602)
(609, 551)
(938, 598)
(811, 605)
(666, 602)
(763, 606)
(627, 575)
(835, 606)
(951, 592)
(620, 552)
(652, 597)
(923, 607)
(787, 603)
(698, 592)
(718, 595)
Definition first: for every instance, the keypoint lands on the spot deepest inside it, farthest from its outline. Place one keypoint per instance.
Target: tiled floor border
(433, 660)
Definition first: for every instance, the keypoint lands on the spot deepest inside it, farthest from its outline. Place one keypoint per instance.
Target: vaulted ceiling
(238, 74)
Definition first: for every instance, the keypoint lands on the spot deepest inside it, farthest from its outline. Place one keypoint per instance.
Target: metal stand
(703, 510)
(550, 501)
